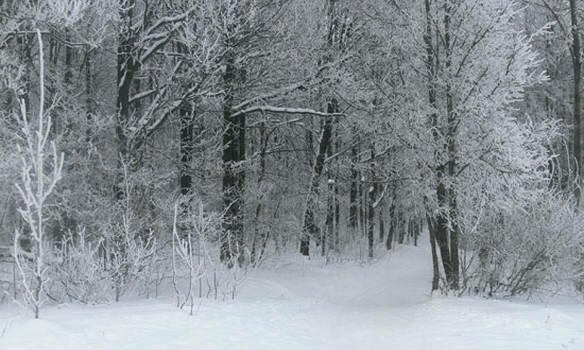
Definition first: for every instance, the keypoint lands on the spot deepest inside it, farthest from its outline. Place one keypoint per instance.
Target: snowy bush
(129, 258)
(6, 278)
(78, 274)
(526, 250)
(130, 240)
(194, 271)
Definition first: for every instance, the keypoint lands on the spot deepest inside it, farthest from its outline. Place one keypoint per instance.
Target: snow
(307, 305)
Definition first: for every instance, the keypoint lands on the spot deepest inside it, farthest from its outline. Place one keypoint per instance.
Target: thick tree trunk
(402, 227)
(445, 231)
(257, 236)
(452, 120)
(435, 266)
(126, 69)
(310, 228)
(439, 228)
(232, 238)
(327, 237)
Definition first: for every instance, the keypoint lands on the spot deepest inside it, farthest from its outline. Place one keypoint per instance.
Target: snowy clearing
(384, 305)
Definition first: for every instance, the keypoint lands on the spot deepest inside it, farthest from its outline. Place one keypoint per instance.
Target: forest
(177, 148)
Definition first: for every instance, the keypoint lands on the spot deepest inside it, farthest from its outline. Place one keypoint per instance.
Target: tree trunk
(254, 257)
(452, 119)
(186, 120)
(362, 203)
(337, 204)
(435, 267)
(381, 221)
(126, 69)
(577, 68)
(88, 94)
(441, 230)
(392, 221)
(328, 236)
(309, 228)
(372, 193)
(353, 194)
(233, 177)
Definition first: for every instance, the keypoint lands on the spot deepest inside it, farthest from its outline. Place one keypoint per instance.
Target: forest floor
(305, 305)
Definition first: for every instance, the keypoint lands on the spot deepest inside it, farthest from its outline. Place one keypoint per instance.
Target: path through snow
(384, 305)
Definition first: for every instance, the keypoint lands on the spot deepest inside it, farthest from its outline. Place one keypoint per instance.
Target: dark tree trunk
(439, 228)
(442, 231)
(372, 193)
(186, 120)
(435, 266)
(452, 119)
(577, 69)
(24, 46)
(337, 204)
(327, 237)
(310, 229)
(390, 234)
(362, 209)
(353, 193)
(454, 231)
(126, 69)
(444, 227)
(381, 222)
(392, 221)
(233, 176)
(125, 74)
(254, 257)
(68, 62)
(337, 217)
(186, 148)
(401, 227)
(88, 92)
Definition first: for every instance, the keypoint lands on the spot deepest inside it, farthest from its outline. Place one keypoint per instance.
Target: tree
(337, 35)
(577, 68)
(41, 170)
(465, 140)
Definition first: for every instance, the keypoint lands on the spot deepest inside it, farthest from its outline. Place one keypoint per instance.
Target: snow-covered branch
(286, 110)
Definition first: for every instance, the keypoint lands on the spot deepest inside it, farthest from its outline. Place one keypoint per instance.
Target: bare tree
(41, 170)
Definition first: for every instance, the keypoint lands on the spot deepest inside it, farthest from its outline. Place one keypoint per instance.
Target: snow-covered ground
(385, 305)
